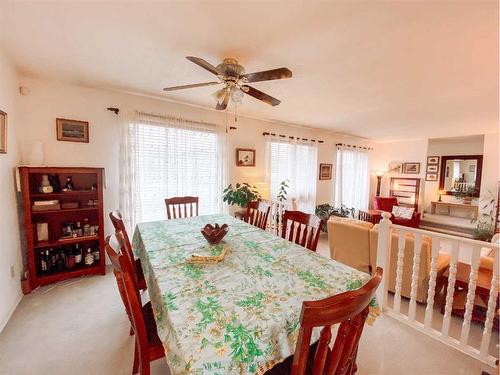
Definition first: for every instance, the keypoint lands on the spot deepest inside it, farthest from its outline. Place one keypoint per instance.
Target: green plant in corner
(282, 192)
(325, 211)
(485, 222)
(240, 194)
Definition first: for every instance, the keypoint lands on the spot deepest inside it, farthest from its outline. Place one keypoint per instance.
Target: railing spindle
(431, 294)
(399, 269)
(450, 291)
(492, 305)
(417, 248)
(471, 295)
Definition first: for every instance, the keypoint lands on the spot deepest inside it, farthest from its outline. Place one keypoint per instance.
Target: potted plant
(325, 211)
(485, 226)
(465, 195)
(240, 194)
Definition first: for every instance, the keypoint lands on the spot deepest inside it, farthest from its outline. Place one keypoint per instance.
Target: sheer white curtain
(163, 157)
(296, 161)
(352, 188)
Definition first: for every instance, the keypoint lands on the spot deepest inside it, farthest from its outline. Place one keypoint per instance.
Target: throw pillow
(403, 212)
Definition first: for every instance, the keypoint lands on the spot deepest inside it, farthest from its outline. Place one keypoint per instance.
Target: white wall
(449, 147)
(385, 153)
(10, 253)
(49, 100)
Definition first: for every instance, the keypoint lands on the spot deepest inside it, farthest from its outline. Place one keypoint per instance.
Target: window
(167, 159)
(352, 178)
(296, 162)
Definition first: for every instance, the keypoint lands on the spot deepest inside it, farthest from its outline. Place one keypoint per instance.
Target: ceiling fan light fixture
(237, 96)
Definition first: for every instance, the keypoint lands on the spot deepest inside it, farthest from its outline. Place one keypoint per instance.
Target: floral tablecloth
(239, 316)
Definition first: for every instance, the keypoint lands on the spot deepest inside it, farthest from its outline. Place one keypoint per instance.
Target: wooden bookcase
(406, 190)
(88, 196)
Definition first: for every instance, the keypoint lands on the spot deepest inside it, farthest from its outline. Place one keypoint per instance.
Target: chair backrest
(385, 203)
(123, 270)
(304, 229)
(257, 213)
(349, 242)
(119, 225)
(179, 207)
(350, 309)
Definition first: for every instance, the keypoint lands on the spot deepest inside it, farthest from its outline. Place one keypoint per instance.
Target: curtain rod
(354, 146)
(298, 138)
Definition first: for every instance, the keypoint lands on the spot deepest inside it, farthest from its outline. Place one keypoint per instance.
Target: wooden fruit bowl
(214, 234)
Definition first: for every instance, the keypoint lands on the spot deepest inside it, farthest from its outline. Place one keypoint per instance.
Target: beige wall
(10, 254)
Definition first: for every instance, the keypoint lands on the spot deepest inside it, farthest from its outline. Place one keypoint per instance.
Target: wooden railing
(458, 248)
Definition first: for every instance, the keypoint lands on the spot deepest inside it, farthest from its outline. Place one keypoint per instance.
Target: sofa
(386, 204)
(354, 243)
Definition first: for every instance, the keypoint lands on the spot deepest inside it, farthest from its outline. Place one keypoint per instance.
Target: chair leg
(135, 368)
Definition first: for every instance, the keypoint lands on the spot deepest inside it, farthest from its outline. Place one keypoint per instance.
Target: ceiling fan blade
(204, 64)
(173, 88)
(260, 95)
(268, 75)
(222, 106)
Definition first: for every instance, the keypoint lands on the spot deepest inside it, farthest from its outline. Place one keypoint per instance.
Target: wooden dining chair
(119, 225)
(148, 346)
(350, 309)
(304, 229)
(257, 214)
(179, 207)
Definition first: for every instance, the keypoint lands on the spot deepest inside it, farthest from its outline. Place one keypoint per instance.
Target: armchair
(386, 204)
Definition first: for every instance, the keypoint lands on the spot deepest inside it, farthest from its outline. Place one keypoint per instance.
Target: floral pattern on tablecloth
(237, 315)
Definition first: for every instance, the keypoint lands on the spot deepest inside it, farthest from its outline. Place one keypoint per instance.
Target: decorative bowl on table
(214, 233)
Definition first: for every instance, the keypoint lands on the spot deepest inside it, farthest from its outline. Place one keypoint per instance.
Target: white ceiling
(383, 70)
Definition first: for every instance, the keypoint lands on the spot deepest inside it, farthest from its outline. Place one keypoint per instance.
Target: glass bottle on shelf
(53, 259)
(61, 261)
(69, 186)
(43, 263)
(70, 259)
(89, 257)
(97, 255)
(79, 229)
(48, 261)
(86, 227)
(78, 255)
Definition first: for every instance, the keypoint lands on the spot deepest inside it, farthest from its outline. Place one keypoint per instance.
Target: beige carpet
(80, 327)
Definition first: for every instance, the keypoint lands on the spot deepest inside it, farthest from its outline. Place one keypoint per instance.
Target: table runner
(239, 316)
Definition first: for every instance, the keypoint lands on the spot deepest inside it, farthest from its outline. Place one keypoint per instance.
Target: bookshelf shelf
(89, 186)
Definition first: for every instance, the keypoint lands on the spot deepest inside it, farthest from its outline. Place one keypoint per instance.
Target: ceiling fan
(232, 76)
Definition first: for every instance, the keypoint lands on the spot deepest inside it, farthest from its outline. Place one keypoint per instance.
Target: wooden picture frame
(395, 168)
(72, 130)
(325, 171)
(411, 168)
(432, 168)
(245, 157)
(432, 160)
(431, 177)
(3, 132)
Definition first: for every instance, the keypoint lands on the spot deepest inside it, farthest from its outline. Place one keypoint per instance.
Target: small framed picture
(432, 168)
(411, 168)
(395, 168)
(3, 132)
(72, 130)
(325, 171)
(472, 168)
(432, 159)
(431, 177)
(245, 157)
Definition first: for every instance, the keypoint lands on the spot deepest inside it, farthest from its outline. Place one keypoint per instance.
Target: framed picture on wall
(3, 132)
(432, 168)
(431, 177)
(325, 171)
(411, 168)
(432, 159)
(72, 130)
(395, 168)
(245, 157)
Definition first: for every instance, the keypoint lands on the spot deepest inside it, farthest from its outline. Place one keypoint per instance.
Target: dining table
(240, 315)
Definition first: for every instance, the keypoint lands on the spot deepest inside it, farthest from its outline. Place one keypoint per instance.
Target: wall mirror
(461, 174)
